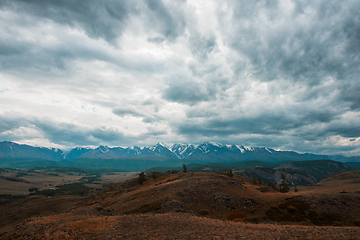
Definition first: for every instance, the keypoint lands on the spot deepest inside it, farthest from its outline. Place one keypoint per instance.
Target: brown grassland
(191, 205)
(18, 182)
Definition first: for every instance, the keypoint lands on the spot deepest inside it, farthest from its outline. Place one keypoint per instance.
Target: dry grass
(197, 205)
(44, 179)
(167, 226)
(37, 179)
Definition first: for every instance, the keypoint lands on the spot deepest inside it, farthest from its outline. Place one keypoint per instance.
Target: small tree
(184, 168)
(253, 180)
(33, 189)
(259, 181)
(141, 178)
(295, 189)
(229, 173)
(283, 187)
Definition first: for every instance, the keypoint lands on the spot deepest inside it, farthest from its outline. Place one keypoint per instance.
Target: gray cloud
(202, 46)
(304, 122)
(67, 134)
(350, 94)
(105, 19)
(184, 90)
(309, 45)
(282, 74)
(122, 112)
(133, 112)
(168, 25)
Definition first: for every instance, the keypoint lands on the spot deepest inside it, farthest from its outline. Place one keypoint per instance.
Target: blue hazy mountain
(206, 152)
(11, 150)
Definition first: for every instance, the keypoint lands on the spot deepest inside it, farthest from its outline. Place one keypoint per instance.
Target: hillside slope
(177, 205)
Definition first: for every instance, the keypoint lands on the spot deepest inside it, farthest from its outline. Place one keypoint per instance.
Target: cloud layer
(281, 74)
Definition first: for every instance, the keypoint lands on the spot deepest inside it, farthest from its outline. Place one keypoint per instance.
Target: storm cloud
(281, 74)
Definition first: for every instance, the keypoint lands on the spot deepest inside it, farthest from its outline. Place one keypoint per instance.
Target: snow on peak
(104, 149)
(165, 145)
(247, 148)
(269, 150)
(241, 148)
(215, 144)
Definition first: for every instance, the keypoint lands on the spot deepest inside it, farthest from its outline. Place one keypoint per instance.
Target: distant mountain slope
(353, 165)
(206, 152)
(203, 153)
(14, 150)
(297, 173)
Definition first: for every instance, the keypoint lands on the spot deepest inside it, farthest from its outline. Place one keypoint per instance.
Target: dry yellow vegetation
(193, 205)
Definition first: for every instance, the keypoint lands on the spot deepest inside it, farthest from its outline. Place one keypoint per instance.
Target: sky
(279, 73)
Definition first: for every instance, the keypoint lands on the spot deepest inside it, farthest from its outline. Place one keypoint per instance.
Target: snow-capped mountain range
(207, 151)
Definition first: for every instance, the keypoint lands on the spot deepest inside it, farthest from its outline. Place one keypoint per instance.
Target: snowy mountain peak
(103, 149)
(250, 149)
(208, 151)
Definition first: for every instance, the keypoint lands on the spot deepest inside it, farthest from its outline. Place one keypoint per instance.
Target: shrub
(184, 168)
(141, 178)
(174, 171)
(229, 173)
(34, 189)
(254, 181)
(273, 186)
(283, 187)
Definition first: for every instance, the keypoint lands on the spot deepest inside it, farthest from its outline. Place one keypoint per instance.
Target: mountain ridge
(207, 151)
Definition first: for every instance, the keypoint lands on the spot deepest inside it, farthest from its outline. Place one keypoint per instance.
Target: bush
(283, 187)
(253, 181)
(229, 173)
(184, 168)
(141, 178)
(66, 189)
(273, 186)
(34, 189)
(174, 171)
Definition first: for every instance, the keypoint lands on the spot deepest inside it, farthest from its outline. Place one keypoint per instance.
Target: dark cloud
(350, 94)
(170, 25)
(309, 46)
(183, 90)
(282, 74)
(122, 112)
(201, 46)
(110, 135)
(150, 119)
(154, 132)
(129, 111)
(9, 123)
(267, 123)
(156, 39)
(104, 19)
(349, 130)
(8, 48)
(61, 133)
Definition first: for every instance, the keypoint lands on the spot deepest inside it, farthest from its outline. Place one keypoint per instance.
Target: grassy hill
(297, 172)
